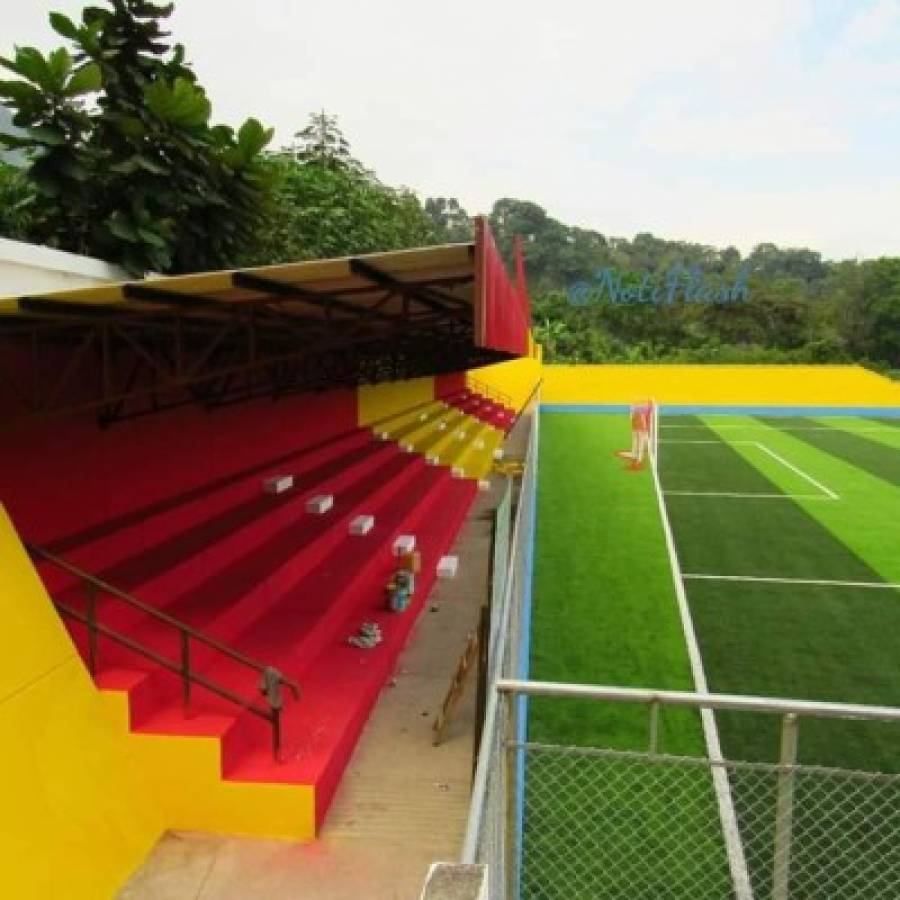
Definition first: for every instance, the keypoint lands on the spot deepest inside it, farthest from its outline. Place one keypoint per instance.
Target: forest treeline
(116, 156)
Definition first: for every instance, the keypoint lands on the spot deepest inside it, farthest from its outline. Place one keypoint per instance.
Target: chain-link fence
(589, 823)
(493, 813)
(605, 823)
(659, 819)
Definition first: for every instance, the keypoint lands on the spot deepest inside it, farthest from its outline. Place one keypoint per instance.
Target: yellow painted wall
(516, 378)
(76, 819)
(376, 401)
(726, 385)
(184, 775)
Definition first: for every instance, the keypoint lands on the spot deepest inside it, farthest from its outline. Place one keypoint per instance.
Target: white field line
(816, 484)
(739, 496)
(737, 863)
(827, 492)
(765, 579)
(767, 429)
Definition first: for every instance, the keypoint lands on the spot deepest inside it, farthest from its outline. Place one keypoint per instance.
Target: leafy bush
(124, 161)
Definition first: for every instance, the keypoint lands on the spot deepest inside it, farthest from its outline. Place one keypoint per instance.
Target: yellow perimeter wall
(723, 385)
(516, 378)
(76, 820)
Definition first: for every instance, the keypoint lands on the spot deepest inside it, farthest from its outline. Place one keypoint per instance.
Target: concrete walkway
(402, 804)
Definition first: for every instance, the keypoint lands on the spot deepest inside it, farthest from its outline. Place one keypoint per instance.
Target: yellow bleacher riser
(419, 436)
(476, 455)
(396, 426)
(453, 440)
(445, 436)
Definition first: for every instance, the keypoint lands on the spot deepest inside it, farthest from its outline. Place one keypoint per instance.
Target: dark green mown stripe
(816, 642)
(689, 428)
(704, 467)
(870, 456)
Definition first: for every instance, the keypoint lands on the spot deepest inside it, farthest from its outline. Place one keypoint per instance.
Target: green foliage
(801, 308)
(451, 223)
(322, 143)
(16, 201)
(121, 152)
(328, 204)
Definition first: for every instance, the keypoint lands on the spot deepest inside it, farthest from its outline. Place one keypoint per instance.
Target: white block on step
(362, 524)
(320, 504)
(405, 543)
(484, 485)
(433, 460)
(408, 448)
(442, 426)
(460, 435)
(447, 566)
(423, 417)
(383, 435)
(498, 453)
(458, 472)
(278, 484)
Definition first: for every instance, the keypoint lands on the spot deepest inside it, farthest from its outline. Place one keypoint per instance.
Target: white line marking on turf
(828, 493)
(740, 496)
(766, 579)
(798, 471)
(768, 429)
(737, 863)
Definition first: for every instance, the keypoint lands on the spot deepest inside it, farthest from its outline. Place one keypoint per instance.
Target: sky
(715, 121)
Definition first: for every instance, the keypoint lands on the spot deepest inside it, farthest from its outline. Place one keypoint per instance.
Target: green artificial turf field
(759, 508)
(605, 613)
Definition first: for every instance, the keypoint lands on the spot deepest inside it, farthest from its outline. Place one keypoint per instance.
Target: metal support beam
(434, 300)
(318, 299)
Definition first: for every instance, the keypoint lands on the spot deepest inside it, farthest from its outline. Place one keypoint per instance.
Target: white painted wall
(33, 269)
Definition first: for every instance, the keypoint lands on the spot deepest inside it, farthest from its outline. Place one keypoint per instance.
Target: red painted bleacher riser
(278, 584)
(482, 408)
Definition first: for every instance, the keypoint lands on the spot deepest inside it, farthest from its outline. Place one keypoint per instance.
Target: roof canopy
(133, 347)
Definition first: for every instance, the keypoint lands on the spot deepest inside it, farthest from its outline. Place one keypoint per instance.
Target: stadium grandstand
(217, 478)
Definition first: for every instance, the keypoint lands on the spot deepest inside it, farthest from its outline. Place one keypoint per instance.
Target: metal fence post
(784, 808)
(654, 728)
(510, 782)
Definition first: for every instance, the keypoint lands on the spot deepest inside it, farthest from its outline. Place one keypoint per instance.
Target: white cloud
(727, 135)
(609, 114)
(874, 24)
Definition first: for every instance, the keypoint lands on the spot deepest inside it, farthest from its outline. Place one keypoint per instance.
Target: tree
(322, 143)
(880, 300)
(121, 152)
(452, 224)
(16, 202)
(327, 203)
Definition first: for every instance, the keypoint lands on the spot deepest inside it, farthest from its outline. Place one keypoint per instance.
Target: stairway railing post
(186, 667)
(91, 615)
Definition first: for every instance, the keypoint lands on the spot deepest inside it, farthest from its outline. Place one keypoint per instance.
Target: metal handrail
(749, 703)
(271, 680)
